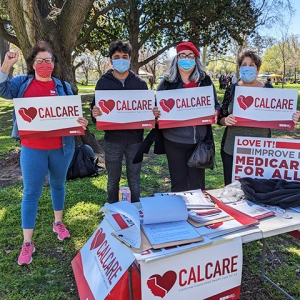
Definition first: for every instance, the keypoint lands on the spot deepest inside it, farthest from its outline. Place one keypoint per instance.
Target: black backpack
(84, 163)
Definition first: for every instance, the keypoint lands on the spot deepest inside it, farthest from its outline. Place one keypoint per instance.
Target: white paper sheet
(162, 209)
(169, 232)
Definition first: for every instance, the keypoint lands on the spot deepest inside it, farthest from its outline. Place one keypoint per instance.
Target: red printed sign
(266, 158)
(100, 263)
(186, 107)
(212, 272)
(263, 107)
(48, 116)
(129, 109)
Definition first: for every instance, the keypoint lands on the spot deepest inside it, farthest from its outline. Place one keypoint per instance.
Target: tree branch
(8, 37)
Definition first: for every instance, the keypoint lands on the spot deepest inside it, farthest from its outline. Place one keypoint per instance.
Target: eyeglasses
(183, 55)
(40, 60)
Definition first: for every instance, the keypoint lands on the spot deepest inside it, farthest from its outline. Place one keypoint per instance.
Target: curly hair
(252, 54)
(120, 46)
(40, 46)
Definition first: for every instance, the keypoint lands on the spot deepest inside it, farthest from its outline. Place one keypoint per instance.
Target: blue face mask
(121, 65)
(248, 74)
(186, 63)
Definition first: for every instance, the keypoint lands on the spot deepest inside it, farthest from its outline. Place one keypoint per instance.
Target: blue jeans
(113, 162)
(34, 165)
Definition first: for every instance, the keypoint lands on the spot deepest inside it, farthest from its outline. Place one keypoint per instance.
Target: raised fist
(9, 60)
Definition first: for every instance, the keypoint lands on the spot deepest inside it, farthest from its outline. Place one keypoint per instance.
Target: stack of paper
(192, 199)
(253, 210)
(207, 215)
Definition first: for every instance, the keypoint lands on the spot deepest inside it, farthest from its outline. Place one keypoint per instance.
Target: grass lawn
(50, 275)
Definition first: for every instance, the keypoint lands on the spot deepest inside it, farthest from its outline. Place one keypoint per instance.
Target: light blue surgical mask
(186, 63)
(121, 65)
(248, 74)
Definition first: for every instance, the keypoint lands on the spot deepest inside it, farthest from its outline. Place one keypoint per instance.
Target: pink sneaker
(61, 230)
(25, 257)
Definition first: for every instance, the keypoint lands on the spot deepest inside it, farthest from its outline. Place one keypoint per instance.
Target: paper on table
(160, 233)
(130, 211)
(154, 254)
(192, 198)
(163, 209)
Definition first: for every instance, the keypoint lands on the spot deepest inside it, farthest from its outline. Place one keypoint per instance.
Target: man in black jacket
(120, 142)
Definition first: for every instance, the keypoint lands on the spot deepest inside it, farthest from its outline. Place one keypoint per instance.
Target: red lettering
(207, 272)
(133, 105)
(233, 263)
(181, 272)
(192, 276)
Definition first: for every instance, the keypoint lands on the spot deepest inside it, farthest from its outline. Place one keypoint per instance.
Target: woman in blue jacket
(39, 155)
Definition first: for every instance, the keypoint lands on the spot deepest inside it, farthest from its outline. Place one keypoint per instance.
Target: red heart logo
(161, 285)
(167, 105)
(98, 239)
(214, 226)
(245, 102)
(27, 114)
(106, 106)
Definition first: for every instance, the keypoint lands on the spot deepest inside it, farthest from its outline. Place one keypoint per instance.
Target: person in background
(233, 79)
(121, 142)
(268, 83)
(39, 155)
(151, 82)
(186, 71)
(249, 63)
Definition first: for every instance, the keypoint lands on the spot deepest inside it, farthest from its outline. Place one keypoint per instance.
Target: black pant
(227, 166)
(183, 178)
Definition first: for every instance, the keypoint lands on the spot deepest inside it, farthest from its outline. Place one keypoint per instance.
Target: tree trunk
(133, 29)
(35, 20)
(4, 48)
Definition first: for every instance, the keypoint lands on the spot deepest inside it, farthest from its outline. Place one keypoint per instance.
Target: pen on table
(120, 240)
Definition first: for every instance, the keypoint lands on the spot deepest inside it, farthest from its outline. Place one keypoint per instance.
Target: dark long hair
(40, 46)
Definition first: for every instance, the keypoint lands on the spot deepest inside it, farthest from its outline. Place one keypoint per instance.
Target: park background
(271, 29)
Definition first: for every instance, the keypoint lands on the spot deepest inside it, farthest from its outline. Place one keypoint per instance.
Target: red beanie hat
(187, 46)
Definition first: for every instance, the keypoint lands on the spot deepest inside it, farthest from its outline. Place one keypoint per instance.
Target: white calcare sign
(186, 107)
(100, 263)
(48, 116)
(212, 272)
(265, 107)
(125, 109)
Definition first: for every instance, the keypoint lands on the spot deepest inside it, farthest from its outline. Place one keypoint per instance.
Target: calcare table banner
(265, 107)
(213, 273)
(48, 116)
(100, 264)
(125, 109)
(266, 158)
(186, 107)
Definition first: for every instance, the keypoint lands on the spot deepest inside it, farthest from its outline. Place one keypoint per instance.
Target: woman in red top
(40, 156)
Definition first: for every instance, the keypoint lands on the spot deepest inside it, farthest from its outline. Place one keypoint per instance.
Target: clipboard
(145, 244)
